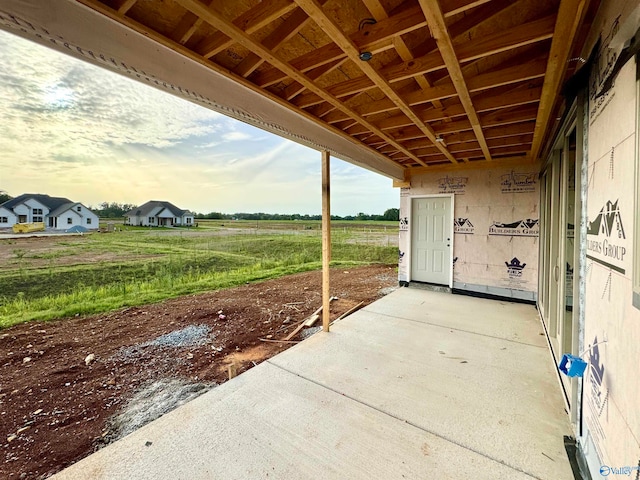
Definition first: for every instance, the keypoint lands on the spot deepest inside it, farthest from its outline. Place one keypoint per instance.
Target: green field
(58, 276)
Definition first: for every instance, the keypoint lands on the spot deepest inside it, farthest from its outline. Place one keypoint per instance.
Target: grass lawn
(54, 277)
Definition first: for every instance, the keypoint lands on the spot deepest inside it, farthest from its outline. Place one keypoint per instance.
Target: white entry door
(431, 240)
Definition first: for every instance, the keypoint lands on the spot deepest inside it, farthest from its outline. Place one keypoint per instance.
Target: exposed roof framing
(414, 83)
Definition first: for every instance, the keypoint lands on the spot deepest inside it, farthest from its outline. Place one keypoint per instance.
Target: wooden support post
(326, 240)
(233, 370)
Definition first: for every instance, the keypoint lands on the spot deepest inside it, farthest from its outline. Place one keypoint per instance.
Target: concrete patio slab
(381, 396)
(493, 318)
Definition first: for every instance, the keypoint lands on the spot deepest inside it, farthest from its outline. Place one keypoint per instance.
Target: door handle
(556, 272)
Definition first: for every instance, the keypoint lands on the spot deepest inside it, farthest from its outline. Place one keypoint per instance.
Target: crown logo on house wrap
(515, 264)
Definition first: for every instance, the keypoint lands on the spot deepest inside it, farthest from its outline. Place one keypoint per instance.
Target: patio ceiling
(448, 82)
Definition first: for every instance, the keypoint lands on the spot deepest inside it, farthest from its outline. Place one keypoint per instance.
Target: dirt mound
(62, 381)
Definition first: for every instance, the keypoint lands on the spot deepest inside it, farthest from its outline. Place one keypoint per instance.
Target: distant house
(55, 212)
(159, 214)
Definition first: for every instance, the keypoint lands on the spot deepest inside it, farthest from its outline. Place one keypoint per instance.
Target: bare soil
(57, 406)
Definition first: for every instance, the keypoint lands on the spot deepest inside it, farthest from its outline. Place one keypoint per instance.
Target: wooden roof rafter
(570, 16)
(217, 21)
(314, 10)
(438, 27)
(481, 75)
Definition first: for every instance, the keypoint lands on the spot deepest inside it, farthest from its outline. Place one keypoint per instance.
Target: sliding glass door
(558, 202)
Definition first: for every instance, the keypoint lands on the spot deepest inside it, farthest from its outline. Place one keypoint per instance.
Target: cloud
(235, 136)
(73, 129)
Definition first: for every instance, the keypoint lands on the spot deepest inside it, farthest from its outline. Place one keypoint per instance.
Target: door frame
(553, 249)
(435, 195)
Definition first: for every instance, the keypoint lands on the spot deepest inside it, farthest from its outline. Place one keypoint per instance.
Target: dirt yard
(70, 386)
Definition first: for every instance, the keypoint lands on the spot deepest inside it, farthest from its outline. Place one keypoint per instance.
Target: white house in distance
(55, 212)
(157, 213)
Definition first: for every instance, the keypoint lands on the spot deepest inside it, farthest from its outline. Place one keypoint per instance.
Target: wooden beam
(515, 37)
(454, 7)
(528, 71)
(438, 27)
(239, 36)
(429, 46)
(498, 163)
(249, 22)
(326, 240)
(135, 26)
(314, 10)
(472, 145)
(407, 20)
(295, 88)
(483, 104)
(125, 6)
(503, 131)
(287, 30)
(188, 25)
(570, 16)
(492, 119)
(378, 11)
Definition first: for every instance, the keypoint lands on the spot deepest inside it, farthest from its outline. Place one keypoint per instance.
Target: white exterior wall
(132, 220)
(80, 218)
(611, 396)
(89, 215)
(26, 208)
(11, 218)
(481, 250)
(165, 213)
(76, 219)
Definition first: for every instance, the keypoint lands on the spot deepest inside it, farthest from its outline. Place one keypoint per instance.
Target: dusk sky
(74, 130)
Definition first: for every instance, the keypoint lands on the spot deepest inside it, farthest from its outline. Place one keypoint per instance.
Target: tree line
(391, 214)
(118, 210)
(113, 209)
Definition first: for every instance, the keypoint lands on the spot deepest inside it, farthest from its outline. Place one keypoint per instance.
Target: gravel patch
(190, 336)
(151, 402)
(386, 291)
(307, 332)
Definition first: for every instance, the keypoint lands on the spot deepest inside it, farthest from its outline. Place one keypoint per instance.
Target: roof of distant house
(52, 203)
(145, 209)
(63, 208)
